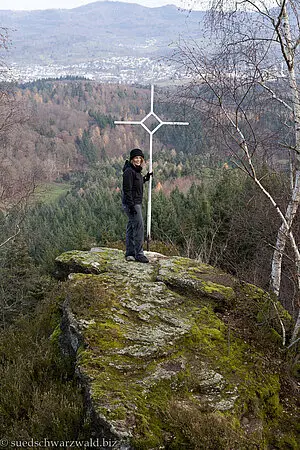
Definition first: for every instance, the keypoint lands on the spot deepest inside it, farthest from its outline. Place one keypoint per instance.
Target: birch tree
(254, 63)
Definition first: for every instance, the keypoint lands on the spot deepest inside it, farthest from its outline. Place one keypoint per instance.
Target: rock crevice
(149, 348)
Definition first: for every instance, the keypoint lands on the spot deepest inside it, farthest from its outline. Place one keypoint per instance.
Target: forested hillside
(64, 146)
(61, 165)
(226, 193)
(62, 158)
(70, 125)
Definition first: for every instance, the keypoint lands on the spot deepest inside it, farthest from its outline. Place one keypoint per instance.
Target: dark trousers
(134, 232)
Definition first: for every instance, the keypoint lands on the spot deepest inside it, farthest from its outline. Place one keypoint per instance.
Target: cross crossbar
(151, 133)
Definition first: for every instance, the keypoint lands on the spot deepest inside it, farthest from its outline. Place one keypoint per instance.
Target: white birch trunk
(283, 234)
(285, 229)
(288, 45)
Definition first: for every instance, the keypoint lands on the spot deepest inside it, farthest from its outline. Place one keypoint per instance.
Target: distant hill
(96, 30)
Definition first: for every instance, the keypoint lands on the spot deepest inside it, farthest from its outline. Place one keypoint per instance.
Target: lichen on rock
(158, 358)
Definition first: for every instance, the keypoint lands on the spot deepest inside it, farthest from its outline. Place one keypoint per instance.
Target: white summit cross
(151, 133)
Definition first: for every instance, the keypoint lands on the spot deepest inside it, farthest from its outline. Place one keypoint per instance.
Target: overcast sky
(60, 4)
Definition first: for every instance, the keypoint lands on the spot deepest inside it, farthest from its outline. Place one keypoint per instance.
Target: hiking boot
(130, 258)
(142, 259)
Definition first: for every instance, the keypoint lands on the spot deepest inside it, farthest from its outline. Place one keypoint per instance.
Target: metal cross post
(151, 133)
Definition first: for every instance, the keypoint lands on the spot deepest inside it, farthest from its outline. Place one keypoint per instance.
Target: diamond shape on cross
(151, 115)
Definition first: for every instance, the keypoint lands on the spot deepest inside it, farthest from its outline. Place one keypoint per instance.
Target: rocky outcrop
(170, 353)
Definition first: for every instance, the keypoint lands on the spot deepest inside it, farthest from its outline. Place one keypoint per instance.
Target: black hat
(136, 152)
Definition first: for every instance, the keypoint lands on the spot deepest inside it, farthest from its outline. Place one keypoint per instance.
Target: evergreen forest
(61, 185)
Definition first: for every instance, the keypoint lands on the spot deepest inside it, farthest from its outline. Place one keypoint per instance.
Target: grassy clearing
(51, 192)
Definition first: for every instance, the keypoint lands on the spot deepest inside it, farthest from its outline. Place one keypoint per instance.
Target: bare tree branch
(224, 85)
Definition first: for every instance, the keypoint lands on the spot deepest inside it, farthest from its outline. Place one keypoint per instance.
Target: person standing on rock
(133, 182)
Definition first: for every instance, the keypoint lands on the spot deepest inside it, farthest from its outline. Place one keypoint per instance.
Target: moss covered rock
(170, 353)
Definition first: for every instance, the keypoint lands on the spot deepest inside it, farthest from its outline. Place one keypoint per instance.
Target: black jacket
(133, 182)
